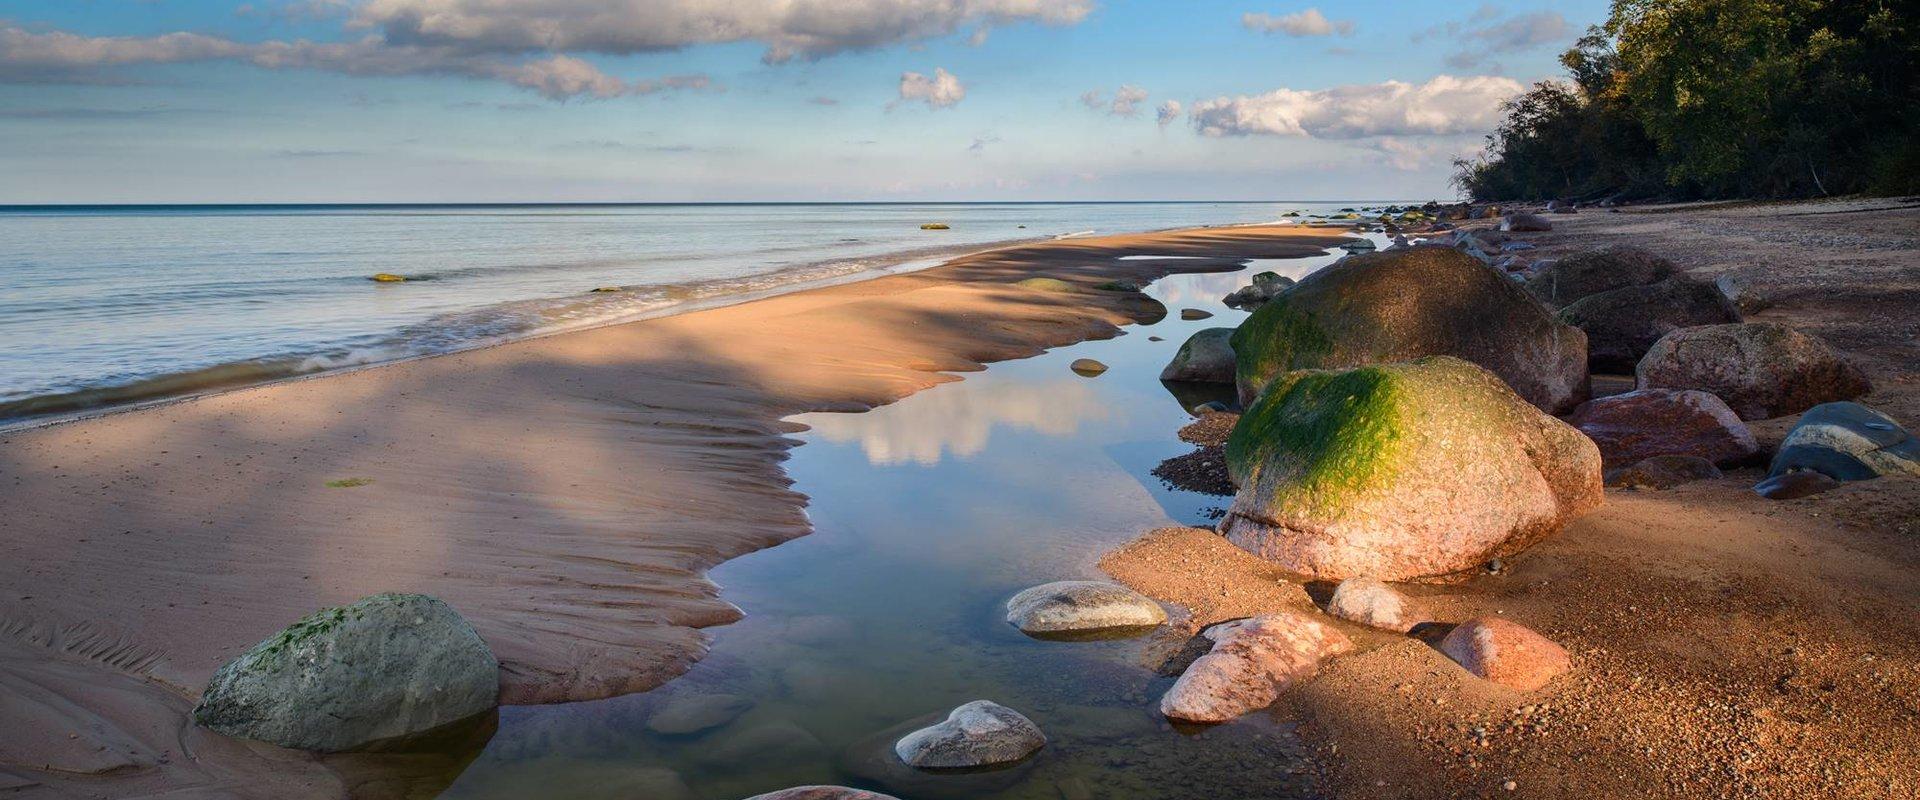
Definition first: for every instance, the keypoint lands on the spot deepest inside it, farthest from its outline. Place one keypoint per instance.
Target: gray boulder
(1848, 442)
(1525, 222)
(977, 734)
(1562, 281)
(1761, 370)
(1082, 606)
(1206, 357)
(387, 667)
(1265, 286)
(1622, 324)
(1739, 291)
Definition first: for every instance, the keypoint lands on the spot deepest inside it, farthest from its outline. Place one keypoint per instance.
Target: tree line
(1695, 99)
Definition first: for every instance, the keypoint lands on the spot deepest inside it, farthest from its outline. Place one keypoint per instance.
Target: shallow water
(929, 513)
(106, 305)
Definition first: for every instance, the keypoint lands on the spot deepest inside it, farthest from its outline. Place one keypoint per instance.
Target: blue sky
(721, 100)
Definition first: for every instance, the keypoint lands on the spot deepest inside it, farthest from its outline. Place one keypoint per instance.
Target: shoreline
(503, 479)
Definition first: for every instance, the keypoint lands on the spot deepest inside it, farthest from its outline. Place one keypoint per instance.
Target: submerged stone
(1087, 367)
(1082, 606)
(976, 734)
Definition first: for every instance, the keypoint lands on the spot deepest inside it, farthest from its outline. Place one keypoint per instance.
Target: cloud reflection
(958, 419)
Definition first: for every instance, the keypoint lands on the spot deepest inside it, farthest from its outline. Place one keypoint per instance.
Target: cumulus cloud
(56, 56)
(1489, 33)
(1301, 23)
(789, 28)
(1168, 113)
(940, 91)
(1443, 105)
(1125, 103)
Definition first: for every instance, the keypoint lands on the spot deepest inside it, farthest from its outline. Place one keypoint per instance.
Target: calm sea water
(104, 305)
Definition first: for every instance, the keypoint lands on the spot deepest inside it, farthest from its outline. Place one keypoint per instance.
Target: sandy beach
(565, 494)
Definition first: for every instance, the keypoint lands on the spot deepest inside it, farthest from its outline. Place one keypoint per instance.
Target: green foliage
(1719, 98)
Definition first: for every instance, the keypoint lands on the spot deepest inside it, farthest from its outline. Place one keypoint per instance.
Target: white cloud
(1443, 105)
(940, 91)
(1302, 23)
(1482, 37)
(56, 56)
(789, 28)
(1168, 113)
(1410, 156)
(1125, 103)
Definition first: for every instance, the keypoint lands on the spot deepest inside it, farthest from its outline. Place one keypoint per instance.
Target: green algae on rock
(387, 667)
(1407, 303)
(1402, 471)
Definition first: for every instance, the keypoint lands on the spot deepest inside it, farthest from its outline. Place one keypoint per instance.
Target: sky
(223, 101)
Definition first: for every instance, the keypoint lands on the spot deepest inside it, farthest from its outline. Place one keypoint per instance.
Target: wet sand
(1724, 645)
(566, 494)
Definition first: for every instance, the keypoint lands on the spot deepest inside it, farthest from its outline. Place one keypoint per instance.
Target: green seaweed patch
(318, 623)
(1278, 338)
(348, 483)
(1335, 432)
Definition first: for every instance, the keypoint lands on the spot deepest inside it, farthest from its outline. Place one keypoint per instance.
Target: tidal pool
(929, 514)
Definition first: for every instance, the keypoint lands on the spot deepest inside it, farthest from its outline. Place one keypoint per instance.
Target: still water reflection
(929, 513)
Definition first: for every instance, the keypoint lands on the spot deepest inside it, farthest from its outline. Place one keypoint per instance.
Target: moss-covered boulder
(1206, 357)
(387, 667)
(1402, 304)
(1402, 471)
(1595, 271)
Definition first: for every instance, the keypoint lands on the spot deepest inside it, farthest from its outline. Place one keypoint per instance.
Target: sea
(103, 306)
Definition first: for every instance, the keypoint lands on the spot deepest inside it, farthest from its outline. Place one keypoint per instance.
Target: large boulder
(1622, 324)
(1641, 424)
(387, 667)
(1507, 653)
(1595, 271)
(1402, 471)
(977, 734)
(1762, 370)
(1525, 222)
(1078, 607)
(1251, 662)
(1206, 357)
(1848, 442)
(1403, 304)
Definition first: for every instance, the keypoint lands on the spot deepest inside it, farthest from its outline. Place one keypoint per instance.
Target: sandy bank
(566, 494)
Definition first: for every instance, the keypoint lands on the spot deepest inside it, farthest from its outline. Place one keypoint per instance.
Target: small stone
(387, 277)
(1194, 313)
(1507, 653)
(1524, 222)
(1372, 603)
(1087, 367)
(1082, 606)
(1794, 485)
(974, 735)
(690, 714)
(1252, 661)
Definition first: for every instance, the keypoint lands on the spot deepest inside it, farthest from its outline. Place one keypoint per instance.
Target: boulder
(1761, 370)
(1739, 291)
(1251, 663)
(1662, 472)
(387, 667)
(1403, 304)
(693, 713)
(822, 793)
(1371, 603)
(1641, 424)
(1622, 324)
(1402, 471)
(1507, 653)
(1595, 271)
(1847, 442)
(1525, 222)
(977, 734)
(1087, 367)
(1082, 607)
(1206, 357)
(1265, 286)
(1794, 485)
(1191, 314)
